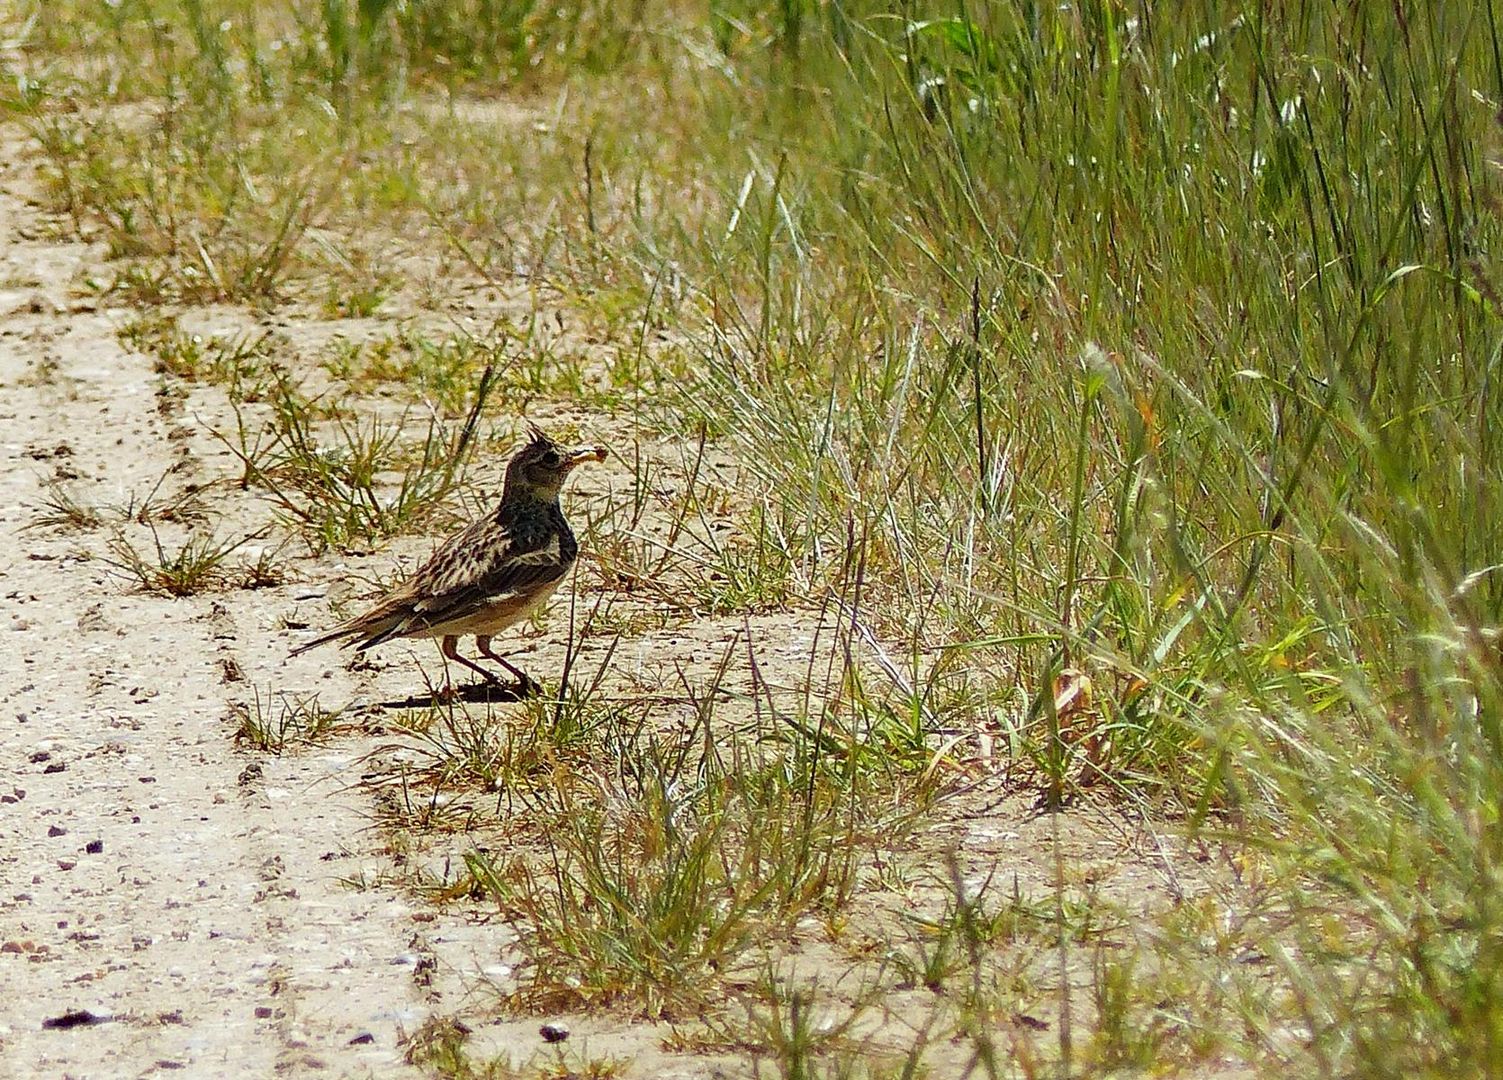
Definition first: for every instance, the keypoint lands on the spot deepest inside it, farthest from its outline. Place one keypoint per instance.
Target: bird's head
(540, 468)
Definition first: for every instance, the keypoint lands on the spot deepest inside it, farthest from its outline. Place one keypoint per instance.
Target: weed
(801, 1032)
(195, 565)
(439, 1045)
(441, 372)
(186, 507)
(335, 494)
(242, 365)
(280, 720)
(265, 571)
(62, 509)
(697, 858)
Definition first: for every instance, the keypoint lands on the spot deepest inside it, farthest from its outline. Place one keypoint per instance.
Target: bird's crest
(537, 436)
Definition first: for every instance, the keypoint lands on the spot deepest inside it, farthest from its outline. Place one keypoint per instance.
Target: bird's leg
(483, 643)
(450, 648)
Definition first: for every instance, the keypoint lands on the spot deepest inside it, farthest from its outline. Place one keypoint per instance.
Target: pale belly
(492, 619)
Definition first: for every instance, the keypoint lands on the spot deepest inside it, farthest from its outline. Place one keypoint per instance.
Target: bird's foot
(448, 694)
(491, 690)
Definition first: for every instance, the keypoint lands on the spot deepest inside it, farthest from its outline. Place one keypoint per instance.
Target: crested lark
(495, 573)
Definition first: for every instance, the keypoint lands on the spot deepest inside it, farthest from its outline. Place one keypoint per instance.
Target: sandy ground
(185, 896)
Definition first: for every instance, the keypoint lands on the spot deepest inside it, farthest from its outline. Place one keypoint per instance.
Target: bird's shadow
(481, 693)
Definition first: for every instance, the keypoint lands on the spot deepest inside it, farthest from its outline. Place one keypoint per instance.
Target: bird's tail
(324, 639)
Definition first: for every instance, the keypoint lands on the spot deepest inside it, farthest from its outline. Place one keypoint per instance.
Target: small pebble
(94, 847)
(554, 1032)
(76, 1018)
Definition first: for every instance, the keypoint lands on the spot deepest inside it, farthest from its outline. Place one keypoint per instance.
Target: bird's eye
(551, 459)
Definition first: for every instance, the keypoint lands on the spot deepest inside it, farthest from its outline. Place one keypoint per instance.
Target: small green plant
(62, 509)
(242, 365)
(697, 860)
(185, 507)
(440, 372)
(439, 1045)
(712, 555)
(264, 571)
(198, 563)
(791, 1031)
(280, 720)
(454, 744)
(797, 1030)
(1123, 1039)
(749, 572)
(363, 484)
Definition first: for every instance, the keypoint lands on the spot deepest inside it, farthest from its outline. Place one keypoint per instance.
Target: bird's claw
(525, 687)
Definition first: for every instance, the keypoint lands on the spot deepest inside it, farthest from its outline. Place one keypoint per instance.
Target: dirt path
(183, 895)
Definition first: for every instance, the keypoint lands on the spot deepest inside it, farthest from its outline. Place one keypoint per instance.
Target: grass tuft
(280, 720)
(196, 565)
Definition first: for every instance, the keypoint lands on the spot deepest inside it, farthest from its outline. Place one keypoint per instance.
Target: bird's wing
(485, 563)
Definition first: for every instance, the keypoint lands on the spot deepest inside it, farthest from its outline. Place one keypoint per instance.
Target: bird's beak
(583, 454)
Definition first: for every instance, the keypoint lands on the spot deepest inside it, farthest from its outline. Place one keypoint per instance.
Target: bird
(489, 576)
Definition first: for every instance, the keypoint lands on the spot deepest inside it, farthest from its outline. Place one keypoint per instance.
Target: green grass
(1155, 342)
(280, 721)
(334, 479)
(63, 508)
(641, 885)
(198, 564)
(242, 365)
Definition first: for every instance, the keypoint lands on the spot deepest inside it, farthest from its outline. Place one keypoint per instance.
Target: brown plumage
(491, 575)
